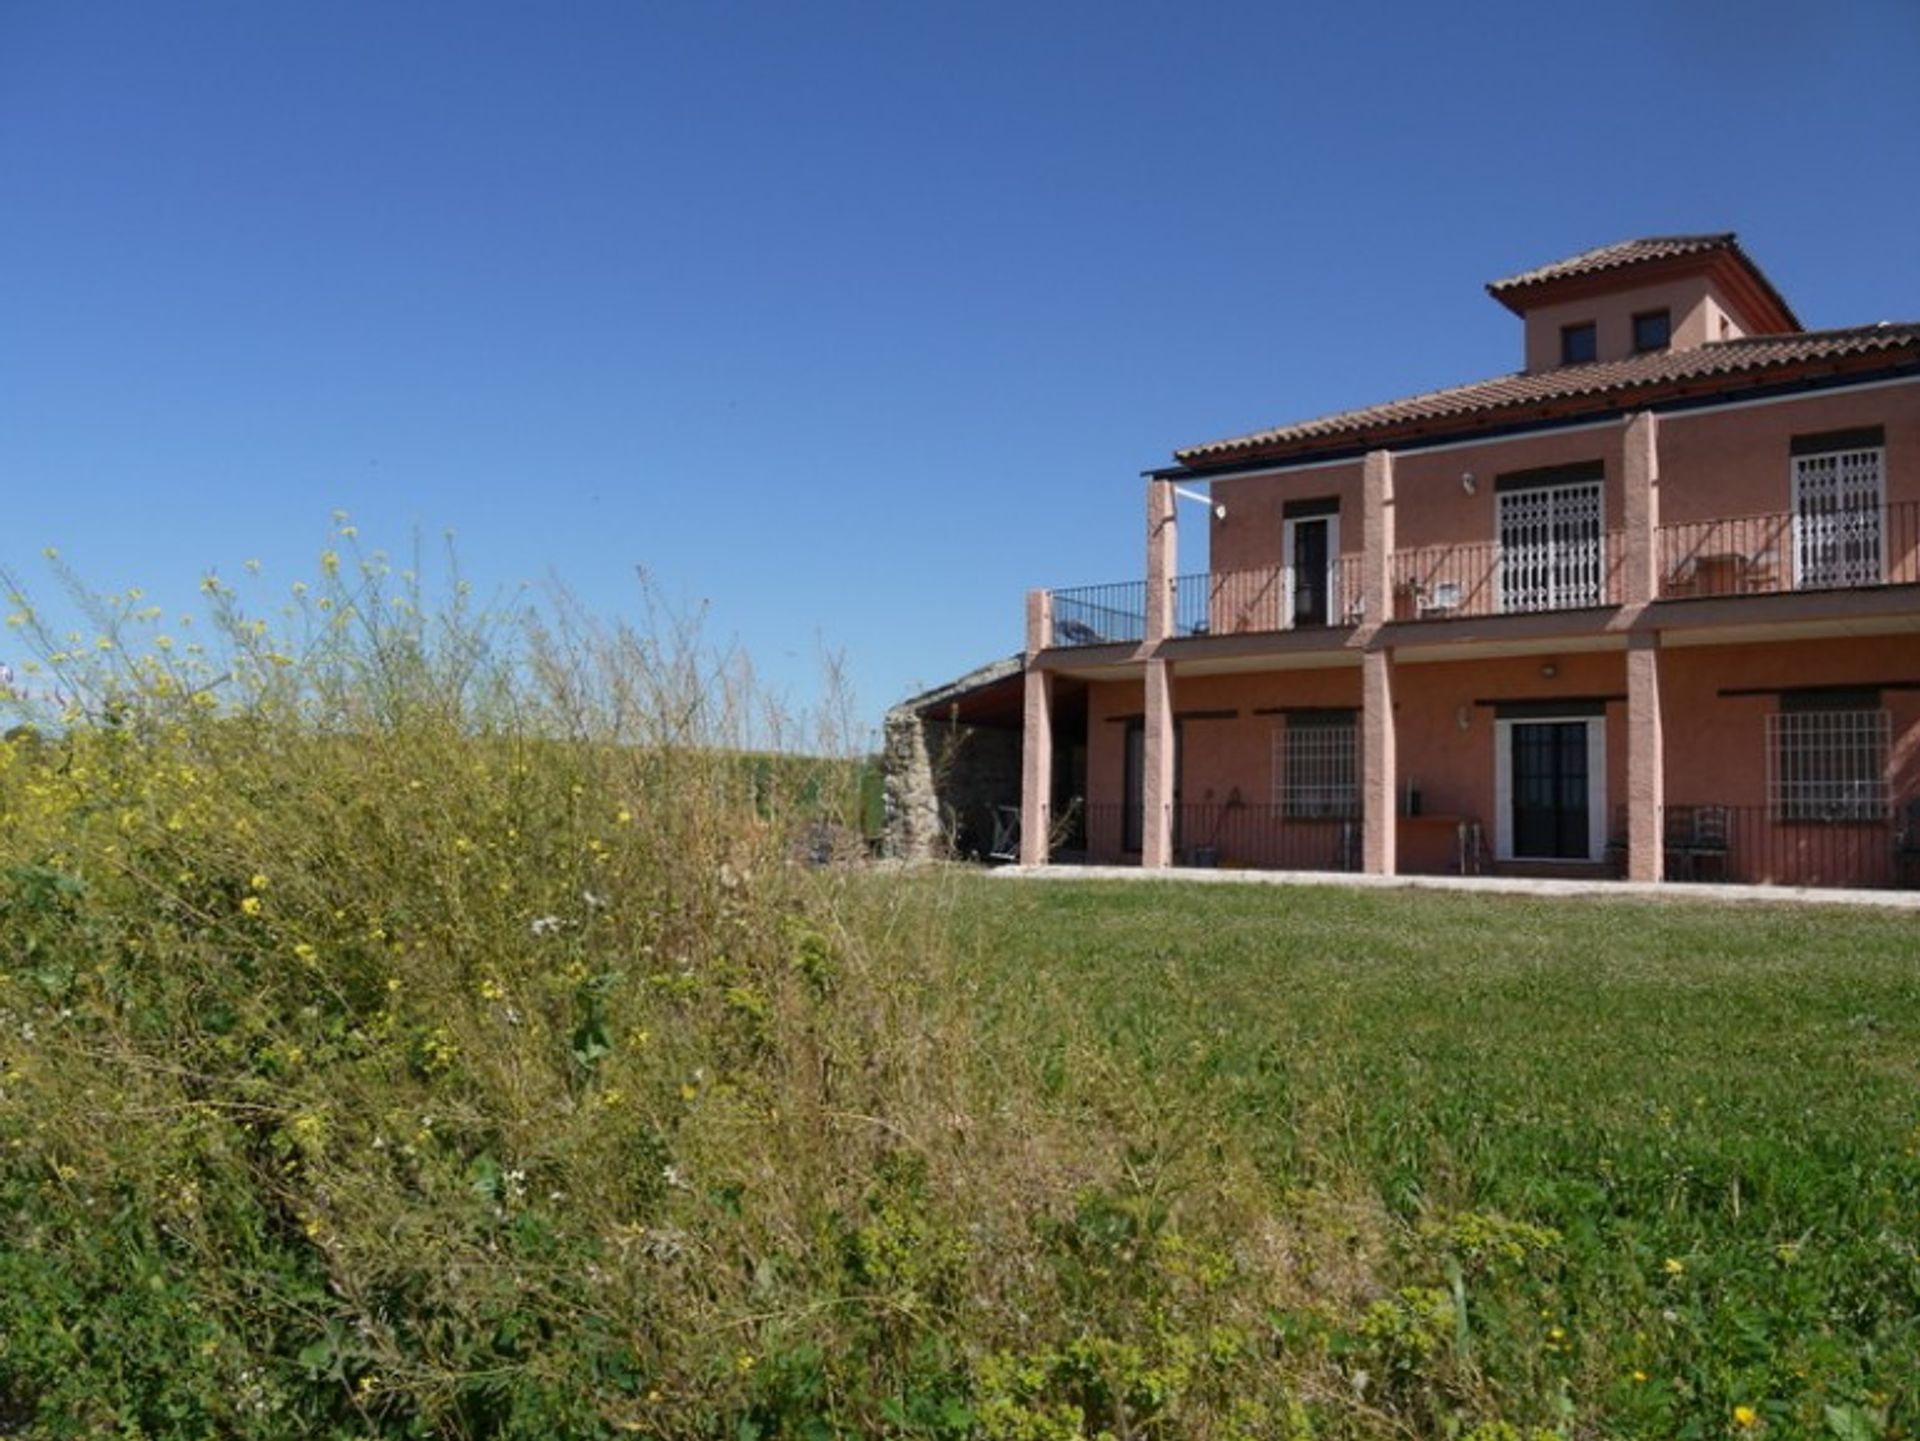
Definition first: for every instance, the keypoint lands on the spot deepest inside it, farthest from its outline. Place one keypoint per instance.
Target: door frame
(1331, 581)
(1596, 786)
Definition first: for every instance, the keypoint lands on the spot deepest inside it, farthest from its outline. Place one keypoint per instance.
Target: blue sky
(851, 320)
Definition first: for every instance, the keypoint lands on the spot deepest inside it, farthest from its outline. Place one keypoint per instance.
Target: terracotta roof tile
(1726, 361)
(1614, 257)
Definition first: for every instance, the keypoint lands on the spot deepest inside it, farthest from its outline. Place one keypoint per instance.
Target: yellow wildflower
(1745, 1416)
(1674, 1267)
(251, 905)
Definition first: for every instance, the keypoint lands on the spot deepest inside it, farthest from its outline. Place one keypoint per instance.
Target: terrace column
(1379, 760)
(1646, 759)
(1646, 750)
(1640, 490)
(1036, 736)
(1156, 800)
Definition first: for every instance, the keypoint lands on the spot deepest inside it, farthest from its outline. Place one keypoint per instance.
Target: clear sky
(853, 320)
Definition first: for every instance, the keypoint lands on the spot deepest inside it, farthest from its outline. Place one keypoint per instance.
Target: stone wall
(942, 782)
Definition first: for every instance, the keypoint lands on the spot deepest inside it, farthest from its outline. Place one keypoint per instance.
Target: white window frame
(1332, 522)
(1868, 481)
(1596, 786)
(1546, 555)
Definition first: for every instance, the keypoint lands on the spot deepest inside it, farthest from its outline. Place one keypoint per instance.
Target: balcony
(1578, 569)
(1806, 550)
(1243, 602)
(1449, 582)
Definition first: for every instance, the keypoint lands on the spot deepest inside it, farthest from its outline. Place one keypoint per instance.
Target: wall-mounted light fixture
(1219, 510)
(1468, 483)
(1549, 670)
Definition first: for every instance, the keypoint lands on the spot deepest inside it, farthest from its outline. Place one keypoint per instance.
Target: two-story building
(1649, 606)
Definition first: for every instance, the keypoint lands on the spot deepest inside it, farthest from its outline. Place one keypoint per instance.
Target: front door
(1549, 790)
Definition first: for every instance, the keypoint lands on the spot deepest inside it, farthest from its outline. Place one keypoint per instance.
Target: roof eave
(1561, 410)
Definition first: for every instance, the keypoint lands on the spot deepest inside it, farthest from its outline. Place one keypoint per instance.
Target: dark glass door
(1550, 790)
(1310, 547)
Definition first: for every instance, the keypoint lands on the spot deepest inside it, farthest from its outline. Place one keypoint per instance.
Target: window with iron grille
(1552, 554)
(1827, 758)
(1316, 772)
(1838, 494)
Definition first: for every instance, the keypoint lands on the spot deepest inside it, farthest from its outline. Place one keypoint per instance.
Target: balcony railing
(1101, 614)
(1787, 551)
(1276, 598)
(1443, 582)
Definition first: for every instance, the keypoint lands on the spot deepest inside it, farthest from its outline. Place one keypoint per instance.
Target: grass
(420, 1024)
(1715, 1113)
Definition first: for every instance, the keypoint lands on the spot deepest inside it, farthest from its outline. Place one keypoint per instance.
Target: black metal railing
(1764, 845)
(1784, 551)
(1226, 834)
(1101, 614)
(1479, 578)
(1271, 598)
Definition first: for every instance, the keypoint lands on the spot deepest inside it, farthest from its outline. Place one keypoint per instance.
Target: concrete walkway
(1485, 885)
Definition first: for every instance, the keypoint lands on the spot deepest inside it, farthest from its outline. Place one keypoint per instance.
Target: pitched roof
(1720, 250)
(1614, 257)
(1571, 389)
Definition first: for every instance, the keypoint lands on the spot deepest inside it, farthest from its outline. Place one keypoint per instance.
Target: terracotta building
(1649, 606)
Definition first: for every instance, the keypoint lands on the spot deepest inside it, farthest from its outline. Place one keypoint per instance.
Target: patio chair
(1906, 845)
(1697, 836)
(1006, 834)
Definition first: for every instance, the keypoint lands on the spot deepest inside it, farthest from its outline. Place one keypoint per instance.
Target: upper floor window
(1551, 551)
(1579, 343)
(1839, 538)
(1652, 330)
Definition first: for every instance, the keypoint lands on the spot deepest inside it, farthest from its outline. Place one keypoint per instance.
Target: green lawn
(1624, 1168)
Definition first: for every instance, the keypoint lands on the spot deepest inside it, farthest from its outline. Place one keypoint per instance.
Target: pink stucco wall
(1700, 313)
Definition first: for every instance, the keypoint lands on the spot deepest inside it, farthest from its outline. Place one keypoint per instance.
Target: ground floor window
(1827, 757)
(1316, 770)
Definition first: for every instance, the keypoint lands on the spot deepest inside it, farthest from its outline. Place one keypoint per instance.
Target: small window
(1652, 330)
(1579, 343)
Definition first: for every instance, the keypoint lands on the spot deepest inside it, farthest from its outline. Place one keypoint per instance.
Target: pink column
(1379, 759)
(1646, 760)
(1640, 489)
(1156, 818)
(1036, 736)
(1646, 749)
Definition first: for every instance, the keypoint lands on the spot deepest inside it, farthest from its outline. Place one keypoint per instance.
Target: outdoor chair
(1006, 834)
(1906, 845)
(1697, 836)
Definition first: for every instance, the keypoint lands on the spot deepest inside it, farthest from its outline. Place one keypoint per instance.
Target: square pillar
(1379, 774)
(1377, 514)
(1156, 794)
(1640, 488)
(1163, 551)
(1646, 760)
(1036, 736)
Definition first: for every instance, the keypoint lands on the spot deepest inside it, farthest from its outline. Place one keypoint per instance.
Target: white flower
(545, 925)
